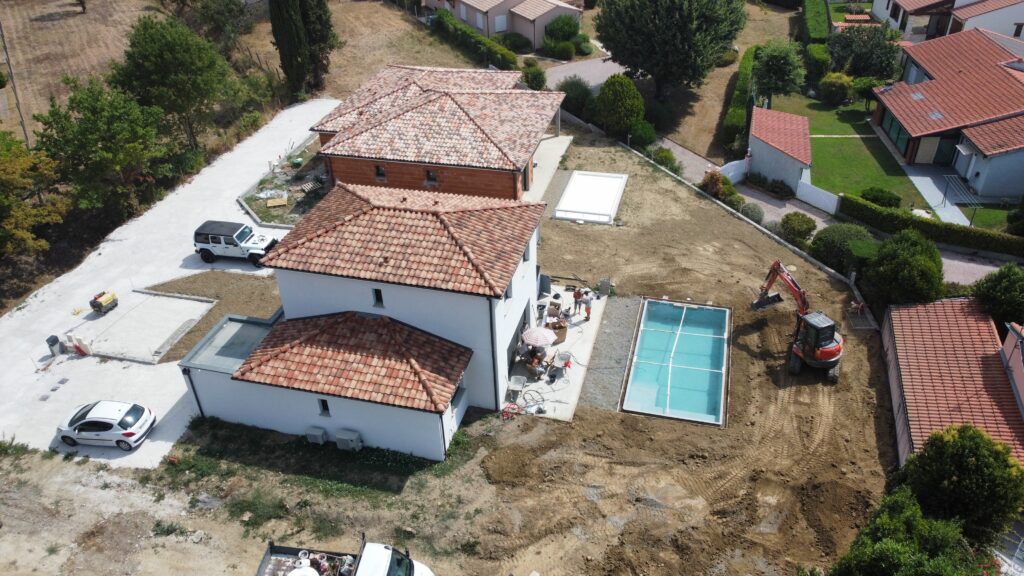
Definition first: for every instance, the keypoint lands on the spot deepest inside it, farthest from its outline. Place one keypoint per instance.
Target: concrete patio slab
(931, 182)
(548, 156)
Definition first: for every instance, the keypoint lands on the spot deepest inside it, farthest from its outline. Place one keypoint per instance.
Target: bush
(753, 212)
(831, 245)
(757, 179)
(773, 226)
(642, 135)
(577, 95)
(734, 124)
(961, 474)
(515, 42)
(534, 77)
(819, 61)
(714, 184)
(780, 189)
(249, 123)
(560, 50)
(881, 197)
(562, 28)
(907, 270)
(835, 88)
(660, 115)
(864, 88)
(584, 49)
(893, 220)
(727, 58)
(816, 24)
(734, 201)
(797, 228)
(619, 105)
(1001, 293)
(664, 157)
(479, 47)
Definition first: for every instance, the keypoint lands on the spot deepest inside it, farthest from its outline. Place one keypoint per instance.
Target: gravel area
(603, 385)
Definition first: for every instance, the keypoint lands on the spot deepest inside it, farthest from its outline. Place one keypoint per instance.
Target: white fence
(817, 197)
(735, 171)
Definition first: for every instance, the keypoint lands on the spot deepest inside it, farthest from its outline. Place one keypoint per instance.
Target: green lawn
(988, 217)
(826, 119)
(850, 165)
(839, 9)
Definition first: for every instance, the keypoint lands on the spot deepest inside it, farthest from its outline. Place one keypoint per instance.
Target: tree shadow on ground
(58, 16)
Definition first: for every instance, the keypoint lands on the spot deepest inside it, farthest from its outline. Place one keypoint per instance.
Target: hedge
(819, 60)
(816, 22)
(893, 220)
(481, 48)
(735, 122)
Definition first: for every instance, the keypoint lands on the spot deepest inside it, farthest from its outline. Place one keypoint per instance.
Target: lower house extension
(400, 310)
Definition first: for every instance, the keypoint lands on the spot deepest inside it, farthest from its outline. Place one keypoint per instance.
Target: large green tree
(223, 21)
(675, 42)
(321, 40)
(106, 146)
(907, 270)
(28, 197)
(778, 69)
(618, 106)
(168, 66)
(290, 40)
(1002, 293)
(865, 51)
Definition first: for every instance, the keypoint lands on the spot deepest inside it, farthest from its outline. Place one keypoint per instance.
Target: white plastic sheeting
(591, 197)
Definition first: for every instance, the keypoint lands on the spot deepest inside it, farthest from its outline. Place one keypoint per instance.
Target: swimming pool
(678, 368)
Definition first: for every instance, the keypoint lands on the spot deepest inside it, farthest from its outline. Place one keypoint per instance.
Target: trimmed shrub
(477, 46)
(893, 220)
(660, 115)
(619, 105)
(558, 49)
(515, 42)
(907, 270)
(1001, 293)
(816, 24)
(562, 28)
(773, 226)
(534, 77)
(752, 211)
(734, 201)
(780, 189)
(577, 95)
(818, 61)
(831, 245)
(797, 228)
(734, 124)
(642, 135)
(727, 58)
(881, 197)
(664, 157)
(863, 253)
(584, 49)
(757, 179)
(835, 88)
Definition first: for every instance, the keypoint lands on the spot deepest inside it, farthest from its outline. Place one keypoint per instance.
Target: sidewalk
(693, 165)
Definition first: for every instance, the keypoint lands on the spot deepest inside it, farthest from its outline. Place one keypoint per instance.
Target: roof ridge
(398, 343)
(482, 131)
(321, 232)
(468, 253)
(427, 98)
(511, 205)
(504, 204)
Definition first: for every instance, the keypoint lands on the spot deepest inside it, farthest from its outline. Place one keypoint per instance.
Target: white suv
(215, 239)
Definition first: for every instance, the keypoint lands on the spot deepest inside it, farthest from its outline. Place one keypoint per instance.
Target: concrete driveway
(595, 71)
(150, 249)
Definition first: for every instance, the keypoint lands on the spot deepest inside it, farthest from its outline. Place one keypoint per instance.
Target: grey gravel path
(603, 384)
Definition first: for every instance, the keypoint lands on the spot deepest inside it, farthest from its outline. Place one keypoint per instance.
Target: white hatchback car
(107, 423)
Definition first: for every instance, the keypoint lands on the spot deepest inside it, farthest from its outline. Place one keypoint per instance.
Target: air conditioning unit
(348, 440)
(316, 435)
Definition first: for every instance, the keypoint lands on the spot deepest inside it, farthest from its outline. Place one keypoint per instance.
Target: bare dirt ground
(375, 34)
(702, 109)
(47, 39)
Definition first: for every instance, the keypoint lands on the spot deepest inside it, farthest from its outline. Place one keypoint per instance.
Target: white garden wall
(736, 171)
(818, 197)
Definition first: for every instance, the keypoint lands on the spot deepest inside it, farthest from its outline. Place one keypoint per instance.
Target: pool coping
(726, 380)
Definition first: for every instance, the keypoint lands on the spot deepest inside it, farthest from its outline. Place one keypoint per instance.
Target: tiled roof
(788, 133)
(998, 137)
(971, 84)
(451, 242)
(532, 9)
(915, 5)
(840, 26)
(483, 5)
(968, 11)
(494, 129)
(395, 85)
(360, 356)
(949, 364)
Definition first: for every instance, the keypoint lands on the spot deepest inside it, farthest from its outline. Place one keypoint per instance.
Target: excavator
(816, 342)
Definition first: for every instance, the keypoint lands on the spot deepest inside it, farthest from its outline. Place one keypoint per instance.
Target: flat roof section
(591, 197)
(227, 346)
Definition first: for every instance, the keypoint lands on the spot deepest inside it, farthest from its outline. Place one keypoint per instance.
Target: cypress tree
(292, 45)
(321, 39)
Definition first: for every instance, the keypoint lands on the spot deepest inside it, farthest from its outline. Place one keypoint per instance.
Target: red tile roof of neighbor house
(972, 83)
(951, 371)
(449, 242)
(915, 5)
(998, 137)
(788, 133)
(982, 7)
(360, 356)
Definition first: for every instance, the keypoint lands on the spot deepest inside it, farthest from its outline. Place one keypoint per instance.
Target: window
(462, 11)
(904, 20)
(243, 234)
(431, 178)
(479, 20)
(94, 426)
(215, 240)
(1017, 29)
(202, 238)
(81, 414)
(378, 298)
(894, 12)
(500, 23)
(131, 417)
(378, 171)
(325, 409)
(526, 254)
(230, 241)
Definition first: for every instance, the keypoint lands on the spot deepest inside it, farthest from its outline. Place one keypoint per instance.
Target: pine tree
(292, 45)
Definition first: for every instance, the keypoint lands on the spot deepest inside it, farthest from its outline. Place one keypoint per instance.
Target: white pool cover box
(591, 197)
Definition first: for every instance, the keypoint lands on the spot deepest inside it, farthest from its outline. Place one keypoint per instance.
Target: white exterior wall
(1000, 176)
(1013, 359)
(817, 197)
(293, 411)
(774, 164)
(1001, 21)
(509, 312)
(904, 443)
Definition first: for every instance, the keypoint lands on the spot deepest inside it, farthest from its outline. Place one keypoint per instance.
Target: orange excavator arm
(778, 272)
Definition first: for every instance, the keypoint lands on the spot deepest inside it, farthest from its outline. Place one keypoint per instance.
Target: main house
(439, 129)
(920, 20)
(526, 17)
(961, 103)
(400, 309)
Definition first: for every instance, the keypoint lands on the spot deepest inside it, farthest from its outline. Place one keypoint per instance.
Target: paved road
(595, 71)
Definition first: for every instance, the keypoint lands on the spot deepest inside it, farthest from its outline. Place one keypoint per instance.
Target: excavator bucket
(766, 300)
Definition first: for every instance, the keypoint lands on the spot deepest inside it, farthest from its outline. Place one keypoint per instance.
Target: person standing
(577, 300)
(588, 302)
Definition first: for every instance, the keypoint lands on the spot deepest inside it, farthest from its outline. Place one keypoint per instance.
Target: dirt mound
(834, 511)
(112, 542)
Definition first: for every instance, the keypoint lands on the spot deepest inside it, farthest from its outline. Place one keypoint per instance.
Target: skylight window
(935, 115)
(917, 96)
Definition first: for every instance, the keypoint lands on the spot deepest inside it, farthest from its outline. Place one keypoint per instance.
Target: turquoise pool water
(679, 362)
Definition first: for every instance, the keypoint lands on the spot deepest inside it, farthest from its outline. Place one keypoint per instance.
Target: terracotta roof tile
(532, 9)
(360, 356)
(915, 5)
(450, 242)
(971, 84)
(788, 133)
(998, 137)
(949, 363)
(968, 11)
(483, 5)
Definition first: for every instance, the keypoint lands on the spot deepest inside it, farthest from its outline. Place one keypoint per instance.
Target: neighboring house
(961, 103)
(527, 17)
(947, 367)
(779, 145)
(920, 20)
(446, 130)
(401, 308)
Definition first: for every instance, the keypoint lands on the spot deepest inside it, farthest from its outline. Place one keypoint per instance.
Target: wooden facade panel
(450, 179)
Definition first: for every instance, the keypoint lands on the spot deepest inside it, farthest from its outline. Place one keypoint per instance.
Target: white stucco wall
(904, 444)
(293, 411)
(774, 164)
(1000, 176)
(509, 312)
(1001, 21)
